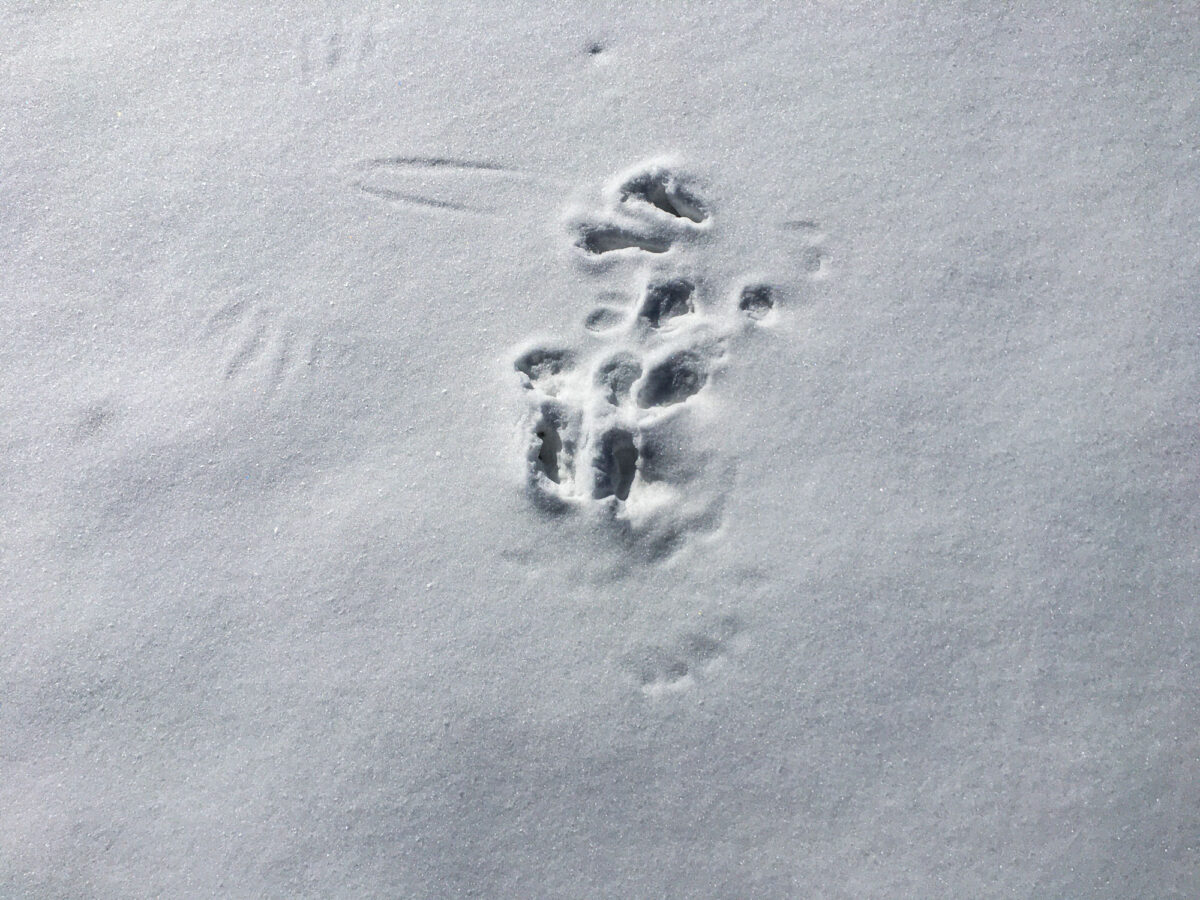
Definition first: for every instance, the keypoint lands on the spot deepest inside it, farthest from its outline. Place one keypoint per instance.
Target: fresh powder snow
(600, 450)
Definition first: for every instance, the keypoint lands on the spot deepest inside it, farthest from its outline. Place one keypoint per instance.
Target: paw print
(606, 419)
(651, 209)
(691, 658)
(339, 49)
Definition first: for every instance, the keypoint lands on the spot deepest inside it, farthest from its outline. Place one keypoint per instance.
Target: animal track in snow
(595, 416)
(617, 374)
(649, 210)
(603, 318)
(325, 52)
(673, 379)
(685, 661)
(756, 300)
(813, 256)
(544, 366)
(663, 189)
(665, 300)
(256, 347)
(608, 418)
(610, 237)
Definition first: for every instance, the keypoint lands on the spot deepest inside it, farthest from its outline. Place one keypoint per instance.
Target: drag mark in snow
(446, 183)
(417, 200)
(436, 162)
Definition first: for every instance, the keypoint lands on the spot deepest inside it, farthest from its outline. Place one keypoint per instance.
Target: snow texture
(689, 450)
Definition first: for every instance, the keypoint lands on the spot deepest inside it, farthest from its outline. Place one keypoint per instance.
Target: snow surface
(900, 599)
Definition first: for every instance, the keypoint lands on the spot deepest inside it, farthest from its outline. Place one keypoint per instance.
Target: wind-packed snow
(696, 450)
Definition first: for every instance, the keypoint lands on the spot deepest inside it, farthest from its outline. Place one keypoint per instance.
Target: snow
(877, 579)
